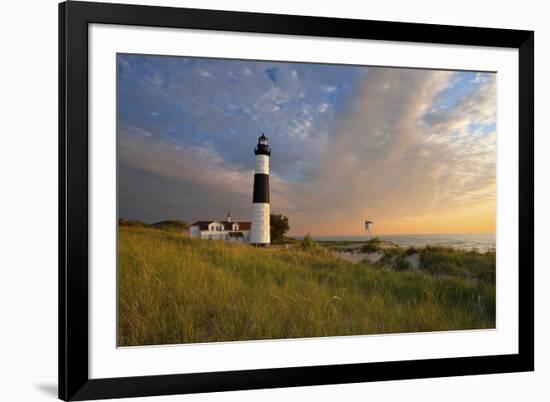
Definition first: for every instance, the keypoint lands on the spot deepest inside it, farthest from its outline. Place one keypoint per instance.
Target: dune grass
(173, 289)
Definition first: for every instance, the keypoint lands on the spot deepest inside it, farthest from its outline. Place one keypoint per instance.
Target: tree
(278, 227)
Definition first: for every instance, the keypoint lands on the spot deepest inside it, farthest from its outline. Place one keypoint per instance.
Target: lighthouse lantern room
(259, 232)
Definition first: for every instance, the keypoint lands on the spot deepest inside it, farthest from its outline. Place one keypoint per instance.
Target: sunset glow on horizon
(479, 219)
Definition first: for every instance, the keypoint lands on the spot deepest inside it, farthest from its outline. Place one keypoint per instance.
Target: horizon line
(389, 234)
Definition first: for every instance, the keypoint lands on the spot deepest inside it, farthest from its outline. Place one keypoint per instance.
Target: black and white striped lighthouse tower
(259, 232)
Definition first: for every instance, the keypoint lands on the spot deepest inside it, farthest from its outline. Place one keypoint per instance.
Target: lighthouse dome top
(262, 148)
(262, 139)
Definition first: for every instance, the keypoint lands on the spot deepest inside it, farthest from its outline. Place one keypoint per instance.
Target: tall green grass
(173, 289)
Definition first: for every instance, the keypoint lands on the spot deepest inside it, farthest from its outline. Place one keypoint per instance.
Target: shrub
(309, 244)
(132, 223)
(172, 225)
(372, 246)
(399, 263)
(442, 260)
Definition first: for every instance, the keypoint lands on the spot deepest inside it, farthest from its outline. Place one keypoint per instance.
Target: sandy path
(357, 257)
(413, 260)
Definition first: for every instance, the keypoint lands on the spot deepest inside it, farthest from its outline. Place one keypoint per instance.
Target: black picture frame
(74, 18)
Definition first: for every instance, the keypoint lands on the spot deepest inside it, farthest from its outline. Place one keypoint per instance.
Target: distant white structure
(368, 227)
(229, 231)
(260, 232)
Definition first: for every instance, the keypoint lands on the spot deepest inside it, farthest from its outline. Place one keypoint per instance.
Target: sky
(412, 150)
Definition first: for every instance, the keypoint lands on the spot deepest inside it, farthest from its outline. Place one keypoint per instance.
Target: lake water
(465, 241)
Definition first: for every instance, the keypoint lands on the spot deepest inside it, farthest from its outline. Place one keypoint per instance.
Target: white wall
(194, 231)
(28, 206)
(262, 164)
(260, 229)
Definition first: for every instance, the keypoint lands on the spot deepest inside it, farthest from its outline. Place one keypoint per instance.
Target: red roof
(203, 225)
(243, 225)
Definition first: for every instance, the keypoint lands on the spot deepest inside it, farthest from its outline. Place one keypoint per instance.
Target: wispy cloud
(382, 160)
(204, 73)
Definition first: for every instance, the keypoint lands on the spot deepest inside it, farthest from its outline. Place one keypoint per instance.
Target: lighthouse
(259, 231)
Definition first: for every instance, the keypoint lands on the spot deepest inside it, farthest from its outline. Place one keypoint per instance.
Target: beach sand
(357, 257)
(413, 260)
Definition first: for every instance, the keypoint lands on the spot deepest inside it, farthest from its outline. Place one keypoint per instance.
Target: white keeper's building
(227, 230)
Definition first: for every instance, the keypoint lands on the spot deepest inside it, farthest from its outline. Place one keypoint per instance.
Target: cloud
(157, 80)
(381, 160)
(348, 142)
(162, 180)
(476, 108)
(230, 113)
(204, 73)
(322, 108)
(183, 181)
(479, 78)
